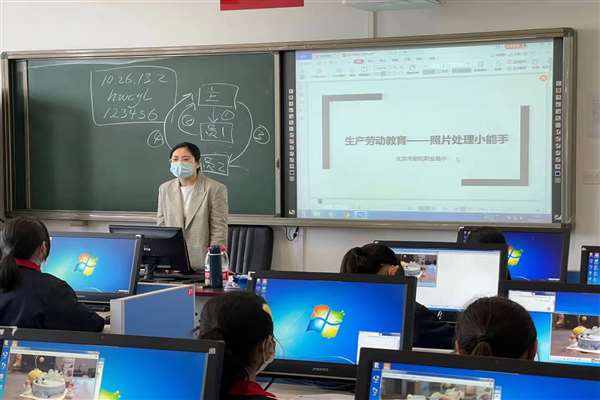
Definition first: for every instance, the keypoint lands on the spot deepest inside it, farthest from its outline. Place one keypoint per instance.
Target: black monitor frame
(527, 286)
(213, 349)
(564, 230)
(332, 370)
(446, 315)
(506, 365)
(104, 298)
(583, 271)
(152, 235)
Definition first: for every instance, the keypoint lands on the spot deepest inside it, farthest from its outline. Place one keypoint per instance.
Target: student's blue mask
(182, 169)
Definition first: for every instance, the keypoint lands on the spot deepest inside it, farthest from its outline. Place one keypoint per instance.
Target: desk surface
(210, 292)
(286, 391)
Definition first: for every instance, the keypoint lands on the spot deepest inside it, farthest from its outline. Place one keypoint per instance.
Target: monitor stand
(153, 274)
(149, 272)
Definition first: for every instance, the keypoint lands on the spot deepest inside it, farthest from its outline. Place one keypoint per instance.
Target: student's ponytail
(233, 369)
(9, 272)
(19, 238)
(498, 327)
(482, 347)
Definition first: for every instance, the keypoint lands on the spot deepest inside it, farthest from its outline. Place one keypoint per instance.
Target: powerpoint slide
(430, 389)
(37, 376)
(575, 336)
(461, 141)
(424, 267)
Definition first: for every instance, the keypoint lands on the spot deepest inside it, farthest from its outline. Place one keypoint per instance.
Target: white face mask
(271, 353)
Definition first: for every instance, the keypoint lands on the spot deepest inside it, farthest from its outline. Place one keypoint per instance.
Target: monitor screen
(163, 248)
(429, 132)
(567, 324)
(325, 318)
(533, 254)
(590, 265)
(96, 266)
(32, 369)
(450, 275)
(480, 379)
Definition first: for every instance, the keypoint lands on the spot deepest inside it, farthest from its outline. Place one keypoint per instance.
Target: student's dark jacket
(42, 301)
(430, 332)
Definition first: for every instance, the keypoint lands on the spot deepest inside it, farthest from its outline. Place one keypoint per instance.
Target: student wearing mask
(193, 202)
(243, 321)
(377, 259)
(30, 298)
(496, 327)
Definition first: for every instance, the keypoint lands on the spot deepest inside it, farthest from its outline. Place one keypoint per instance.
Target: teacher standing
(193, 202)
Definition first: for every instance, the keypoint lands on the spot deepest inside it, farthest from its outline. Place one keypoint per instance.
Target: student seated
(30, 298)
(496, 327)
(243, 321)
(377, 259)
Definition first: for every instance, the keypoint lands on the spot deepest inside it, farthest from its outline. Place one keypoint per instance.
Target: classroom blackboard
(100, 130)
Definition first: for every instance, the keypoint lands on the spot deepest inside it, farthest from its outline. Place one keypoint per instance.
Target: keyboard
(98, 307)
(175, 277)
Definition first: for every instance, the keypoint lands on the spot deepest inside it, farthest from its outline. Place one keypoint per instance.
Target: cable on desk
(269, 384)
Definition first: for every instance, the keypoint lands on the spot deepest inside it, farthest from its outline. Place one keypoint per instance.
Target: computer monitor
(566, 317)
(98, 266)
(451, 275)
(163, 248)
(534, 254)
(321, 320)
(385, 374)
(590, 265)
(39, 364)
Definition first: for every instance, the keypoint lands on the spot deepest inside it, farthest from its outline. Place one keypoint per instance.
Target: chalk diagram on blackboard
(211, 117)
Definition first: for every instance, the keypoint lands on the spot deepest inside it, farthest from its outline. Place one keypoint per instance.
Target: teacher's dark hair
(19, 238)
(367, 259)
(496, 327)
(241, 320)
(187, 145)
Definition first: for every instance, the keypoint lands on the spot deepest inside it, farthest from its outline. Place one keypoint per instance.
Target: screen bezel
(333, 370)
(448, 315)
(583, 270)
(141, 229)
(561, 177)
(491, 364)
(564, 230)
(95, 297)
(213, 349)
(530, 286)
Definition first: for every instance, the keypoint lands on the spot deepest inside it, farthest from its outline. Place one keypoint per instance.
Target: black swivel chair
(250, 248)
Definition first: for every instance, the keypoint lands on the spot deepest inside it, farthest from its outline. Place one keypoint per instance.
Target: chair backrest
(250, 248)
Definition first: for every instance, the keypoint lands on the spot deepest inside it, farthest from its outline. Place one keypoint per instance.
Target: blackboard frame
(569, 102)
(20, 64)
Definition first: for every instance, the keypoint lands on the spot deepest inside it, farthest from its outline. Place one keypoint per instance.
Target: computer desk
(289, 391)
(203, 295)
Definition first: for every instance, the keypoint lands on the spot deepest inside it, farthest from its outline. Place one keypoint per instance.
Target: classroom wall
(36, 25)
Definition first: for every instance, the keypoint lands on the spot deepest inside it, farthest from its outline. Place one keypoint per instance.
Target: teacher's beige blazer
(206, 221)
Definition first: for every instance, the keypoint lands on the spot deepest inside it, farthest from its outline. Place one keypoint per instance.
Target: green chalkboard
(100, 130)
